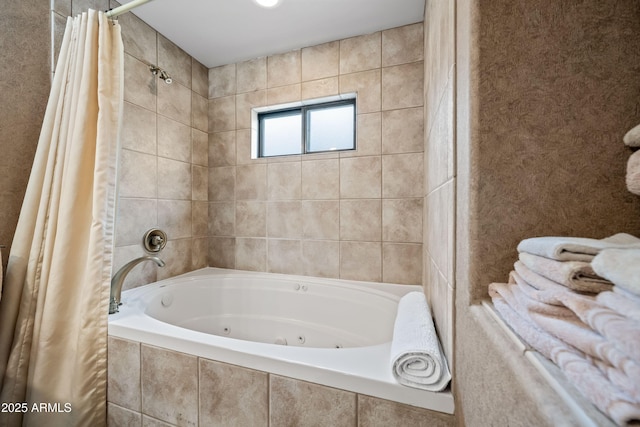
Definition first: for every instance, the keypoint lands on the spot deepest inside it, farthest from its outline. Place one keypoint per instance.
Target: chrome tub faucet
(118, 280)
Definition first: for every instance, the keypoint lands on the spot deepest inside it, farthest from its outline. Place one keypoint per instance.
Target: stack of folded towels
(577, 302)
(632, 139)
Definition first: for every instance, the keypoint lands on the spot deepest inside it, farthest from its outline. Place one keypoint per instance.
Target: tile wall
(152, 386)
(439, 160)
(162, 169)
(164, 156)
(352, 215)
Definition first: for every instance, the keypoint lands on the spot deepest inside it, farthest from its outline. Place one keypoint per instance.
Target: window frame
(303, 109)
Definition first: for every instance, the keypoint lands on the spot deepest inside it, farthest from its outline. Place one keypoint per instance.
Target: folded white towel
(575, 248)
(576, 275)
(632, 138)
(620, 266)
(416, 356)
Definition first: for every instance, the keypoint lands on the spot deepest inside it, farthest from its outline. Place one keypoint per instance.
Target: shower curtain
(53, 310)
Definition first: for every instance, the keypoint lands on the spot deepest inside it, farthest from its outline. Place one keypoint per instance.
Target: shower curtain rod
(112, 13)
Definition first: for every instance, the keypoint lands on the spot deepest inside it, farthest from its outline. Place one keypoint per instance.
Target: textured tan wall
(557, 88)
(545, 92)
(24, 89)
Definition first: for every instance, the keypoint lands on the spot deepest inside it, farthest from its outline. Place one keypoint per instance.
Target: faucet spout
(118, 280)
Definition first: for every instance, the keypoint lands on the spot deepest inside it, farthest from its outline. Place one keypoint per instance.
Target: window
(324, 125)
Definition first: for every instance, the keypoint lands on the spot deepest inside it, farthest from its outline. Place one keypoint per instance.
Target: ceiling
(220, 32)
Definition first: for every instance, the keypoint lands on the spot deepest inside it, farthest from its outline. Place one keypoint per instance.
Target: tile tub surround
(304, 214)
(150, 385)
(164, 155)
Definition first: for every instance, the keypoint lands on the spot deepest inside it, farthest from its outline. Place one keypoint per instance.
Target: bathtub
(331, 332)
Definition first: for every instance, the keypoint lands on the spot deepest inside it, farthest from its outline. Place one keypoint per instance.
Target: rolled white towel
(416, 356)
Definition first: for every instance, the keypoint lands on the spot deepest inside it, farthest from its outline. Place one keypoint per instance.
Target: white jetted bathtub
(331, 332)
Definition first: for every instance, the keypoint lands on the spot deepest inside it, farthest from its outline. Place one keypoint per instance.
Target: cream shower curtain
(53, 310)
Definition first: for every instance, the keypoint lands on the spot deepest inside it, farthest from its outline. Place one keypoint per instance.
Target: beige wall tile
(402, 86)
(439, 149)
(251, 182)
(174, 179)
(152, 422)
(360, 53)
(320, 88)
(181, 258)
(222, 81)
(403, 131)
(251, 254)
(222, 114)
(174, 101)
(368, 137)
(139, 39)
(118, 416)
(174, 140)
(440, 212)
(367, 85)
(133, 218)
(360, 177)
(138, 175)
(222, 218)
(139, 131)
(284, 94)
(402, 263)
(320, 179)
(174, 217)
(402, 175)
(298, 403)
(199, 78)
(375, 412)
(200, 252)
(402, 220)
(123, 386)
(252, 75)
(361, 261)
(284, 181)
(199, 218)
(244, 103)
(222, 183)
(175, 61)
(284, 69)
(321, 258)
(402, 45)
(360, 220)
(284, 256)
(251, 219)
(199, 183)
(284, 219)
(199, 148)
(140, 86)
(222, 252)
(199, 112)
(169, 385)
(321, 219)
(321, 61)
(232, 396)
(222, 148)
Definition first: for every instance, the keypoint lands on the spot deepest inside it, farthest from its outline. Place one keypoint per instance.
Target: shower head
(157, 71)
(166, 77)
